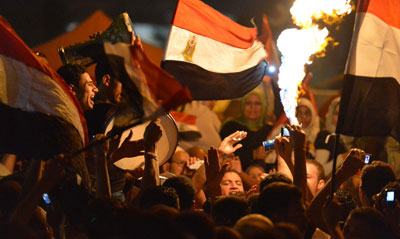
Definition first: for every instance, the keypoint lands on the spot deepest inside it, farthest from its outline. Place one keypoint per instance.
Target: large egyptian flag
(39, 115)
(213, 56)
(370, 104)
(29, 84)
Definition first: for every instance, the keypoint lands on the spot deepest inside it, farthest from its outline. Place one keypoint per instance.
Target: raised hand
(214, 172)
(128, 148)
(191, 166)
(151, 135)
(228, 146)
(283, 148)
(297, 136)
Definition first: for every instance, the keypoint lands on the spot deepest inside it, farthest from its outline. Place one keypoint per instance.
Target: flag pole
(335, 154)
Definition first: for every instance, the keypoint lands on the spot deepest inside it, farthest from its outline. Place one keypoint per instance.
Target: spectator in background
(251, 120)
(324, 148)
(308, 119)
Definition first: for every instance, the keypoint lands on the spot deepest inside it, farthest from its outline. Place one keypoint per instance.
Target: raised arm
(54, 171)
(214, 173)
(99, 153)
(231, 142)
(350, 166)
(298, 140)
(151, 168)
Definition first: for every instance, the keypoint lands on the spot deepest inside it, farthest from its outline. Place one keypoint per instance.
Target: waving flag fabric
(212, 55)
(370, 104)
(39, 115)
(29, 84)
(150, 89)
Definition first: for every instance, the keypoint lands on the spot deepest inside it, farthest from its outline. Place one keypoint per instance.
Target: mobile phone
(196, 165)
(46, 198)
(285, 132)
(390, 196)
(367, 159)
(269, 144)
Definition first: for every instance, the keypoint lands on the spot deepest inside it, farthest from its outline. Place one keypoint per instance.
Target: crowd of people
(240, 190)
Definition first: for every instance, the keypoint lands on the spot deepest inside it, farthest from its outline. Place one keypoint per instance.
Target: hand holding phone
(367, 159)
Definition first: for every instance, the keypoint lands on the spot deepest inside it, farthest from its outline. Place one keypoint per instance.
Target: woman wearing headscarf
(251, 120)
(308, 117)
(324, 146)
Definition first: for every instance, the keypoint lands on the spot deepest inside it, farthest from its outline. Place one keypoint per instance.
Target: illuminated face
(85, 92)
(178, 162)
(313, 183)
(304, 116)
(115, 91)
(252, 107)
(231, 183)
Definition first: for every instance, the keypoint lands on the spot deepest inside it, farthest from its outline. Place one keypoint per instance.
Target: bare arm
(151, 168)
(350, 166)
(53, 172)
(298, 140)
(103, 187)
(214, 173)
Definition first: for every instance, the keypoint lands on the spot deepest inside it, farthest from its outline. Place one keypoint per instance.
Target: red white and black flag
(149, 89)
(213, 56)
(27, 84)
(370, 104)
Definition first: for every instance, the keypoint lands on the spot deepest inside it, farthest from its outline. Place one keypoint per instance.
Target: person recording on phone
(374, 177)
(388, 203)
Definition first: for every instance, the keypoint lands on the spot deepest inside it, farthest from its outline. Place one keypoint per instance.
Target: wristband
(151, 155)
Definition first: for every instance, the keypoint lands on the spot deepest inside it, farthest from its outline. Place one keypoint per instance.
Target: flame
(297, 45)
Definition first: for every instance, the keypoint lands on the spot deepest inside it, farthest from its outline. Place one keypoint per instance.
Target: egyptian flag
(150, 90)
(39, 115)
(370, 104)
(29, 84)
(186, 124)
(210, 54)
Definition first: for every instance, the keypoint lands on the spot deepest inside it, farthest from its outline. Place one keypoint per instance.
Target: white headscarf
(329, 125)
(313, 128)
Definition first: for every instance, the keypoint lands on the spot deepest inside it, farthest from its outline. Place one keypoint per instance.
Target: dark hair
(284, 230)
(380, 199)
(369, 218)
(276, 198)
(318, 165)
(159, 195)
(102, 68)
(375, 176)
(184, 187)
(71, 73)
(347, 201)
(196, 225)
(223, 232)
(273, 178)
(227, 210)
